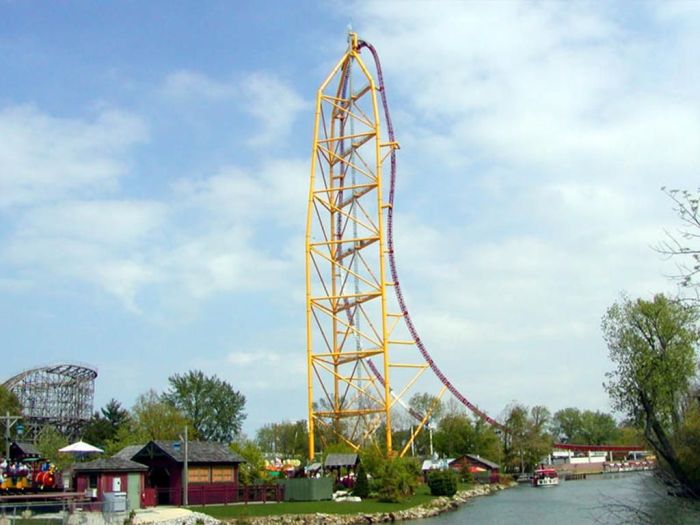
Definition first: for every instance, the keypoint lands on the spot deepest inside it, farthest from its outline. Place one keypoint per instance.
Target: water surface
(606, 499)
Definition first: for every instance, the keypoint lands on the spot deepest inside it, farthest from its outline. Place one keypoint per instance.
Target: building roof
(109, 465)
(341, 460)
(436, 464)
(27, 449)
(197, 452)
(478, 459)
(128, 452)
(313, 467)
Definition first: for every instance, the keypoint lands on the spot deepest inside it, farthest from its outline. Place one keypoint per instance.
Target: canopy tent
(80, 447)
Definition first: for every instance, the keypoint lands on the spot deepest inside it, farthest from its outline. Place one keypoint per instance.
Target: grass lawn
(366, 506)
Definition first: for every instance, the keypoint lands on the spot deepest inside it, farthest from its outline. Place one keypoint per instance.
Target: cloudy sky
(154, 164)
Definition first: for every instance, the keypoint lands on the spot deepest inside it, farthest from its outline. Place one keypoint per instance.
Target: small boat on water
(545, 477)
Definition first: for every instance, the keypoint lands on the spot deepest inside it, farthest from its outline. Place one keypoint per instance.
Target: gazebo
(337, 462)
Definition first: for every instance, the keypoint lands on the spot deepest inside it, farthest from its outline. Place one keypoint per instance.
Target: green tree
(424, 403)
(572, 425)
(628, 434)
(155, 419)
(541, 416)
(688, 444)
(457, 435)
(487, 442)
(361, 488)
(115, 413)
(442, 482)
(683, 245)
(372, 458)
(598, 428)
(48, 443)
(397, 479)
(652, 345)
(566, 425)
(151, 419)
(213, 406)
(98, 431)
(526, 441)
(289, 439)
(253, 470)
(104, 425)
(9, 402)
(454, 435)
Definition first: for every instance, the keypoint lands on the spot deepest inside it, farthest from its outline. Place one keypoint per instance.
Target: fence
(62, 512)
(215, 495)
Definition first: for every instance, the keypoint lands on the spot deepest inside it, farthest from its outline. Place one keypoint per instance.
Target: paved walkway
(162, 513)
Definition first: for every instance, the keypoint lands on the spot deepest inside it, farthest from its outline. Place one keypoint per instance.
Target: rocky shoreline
(435, 507)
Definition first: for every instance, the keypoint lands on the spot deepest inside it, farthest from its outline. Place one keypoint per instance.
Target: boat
(545, 477)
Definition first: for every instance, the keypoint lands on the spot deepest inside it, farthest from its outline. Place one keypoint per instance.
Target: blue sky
(154, 168)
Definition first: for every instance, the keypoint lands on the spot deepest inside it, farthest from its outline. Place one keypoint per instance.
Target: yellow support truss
(347, 317)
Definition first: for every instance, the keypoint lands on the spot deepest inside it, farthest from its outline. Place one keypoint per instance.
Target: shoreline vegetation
(350, 515)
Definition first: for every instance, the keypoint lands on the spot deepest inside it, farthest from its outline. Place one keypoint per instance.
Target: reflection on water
(635, 498)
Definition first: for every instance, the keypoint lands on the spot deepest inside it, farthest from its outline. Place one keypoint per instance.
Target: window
(221, 474)
(198, 475)
(92, 481)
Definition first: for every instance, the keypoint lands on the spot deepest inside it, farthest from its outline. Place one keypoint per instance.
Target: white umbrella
(80, 447)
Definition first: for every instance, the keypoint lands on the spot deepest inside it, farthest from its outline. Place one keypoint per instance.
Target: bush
(442, 482)
(396, 480)
(361, 488)
(466, 475)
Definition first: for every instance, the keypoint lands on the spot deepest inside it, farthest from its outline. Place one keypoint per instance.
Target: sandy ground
(159, 514)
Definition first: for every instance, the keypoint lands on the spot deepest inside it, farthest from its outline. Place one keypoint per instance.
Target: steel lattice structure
(58, 395)
(356, 312)
(349, 321)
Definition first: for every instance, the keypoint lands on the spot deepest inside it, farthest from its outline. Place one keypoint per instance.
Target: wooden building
(20, 451)
(103, 478)
(483, 469)
(212, 472)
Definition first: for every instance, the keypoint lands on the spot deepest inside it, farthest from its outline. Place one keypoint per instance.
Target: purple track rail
(392, 261)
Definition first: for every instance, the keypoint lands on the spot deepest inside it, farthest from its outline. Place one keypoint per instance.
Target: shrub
(361, 488)
(465, 474)
(396, 480)
(442, 482)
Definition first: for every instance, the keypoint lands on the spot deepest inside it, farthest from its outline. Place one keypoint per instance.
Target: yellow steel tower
(348, 322)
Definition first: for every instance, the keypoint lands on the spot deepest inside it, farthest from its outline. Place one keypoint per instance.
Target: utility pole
(186, 472)
(9, 423)
(430, 432)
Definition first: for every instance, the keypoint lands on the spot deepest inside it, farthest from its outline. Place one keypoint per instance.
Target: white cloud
(276, 191)
(203, 237)
(223, 261)
(252, 358)
(562, 90)
(108, 222)
(44, 157)
(190, 84)
(269, 99)
(273, 103)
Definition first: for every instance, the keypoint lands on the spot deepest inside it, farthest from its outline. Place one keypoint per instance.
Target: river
(634, 498)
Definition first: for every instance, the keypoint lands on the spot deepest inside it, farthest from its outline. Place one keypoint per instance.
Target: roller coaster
(353, 318)
(58, 395)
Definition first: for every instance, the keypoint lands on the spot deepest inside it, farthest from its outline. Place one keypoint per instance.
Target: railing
(220, 494)
(59, 512)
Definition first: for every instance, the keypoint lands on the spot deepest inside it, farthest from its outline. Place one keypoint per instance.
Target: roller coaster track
(393, 267)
